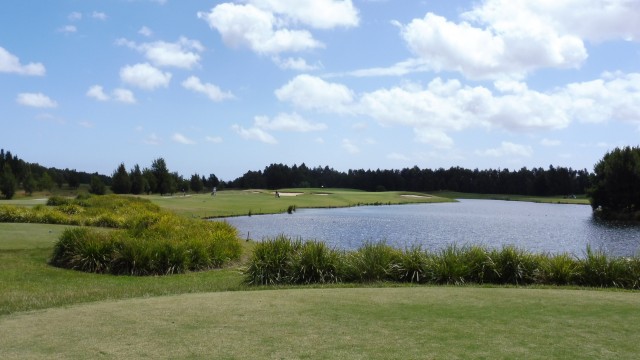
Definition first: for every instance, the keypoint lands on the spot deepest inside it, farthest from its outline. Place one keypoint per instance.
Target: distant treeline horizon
(536, 181)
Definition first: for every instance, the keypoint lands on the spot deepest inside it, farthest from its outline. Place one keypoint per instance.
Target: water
(540, 228)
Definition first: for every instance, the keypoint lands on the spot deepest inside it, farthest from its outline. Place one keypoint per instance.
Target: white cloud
(254, 134)
(11, 64)
(398, 157)
(97, 92)
(288, 122)
(38, 100)
(550, 142)
(145, 76)
(74, 16)
(508, 149)
(350, 147)
(68, 29)
(321, 14)
(257, 29)
(213, 139)
(124, 96)
(433, 137)
(310, 92)
(210, 90)
(99, 15)
(86, 124)
(179, 138)
(145, 31)
(297, 64)
(184, 53)
(120, 95)
(152, 139)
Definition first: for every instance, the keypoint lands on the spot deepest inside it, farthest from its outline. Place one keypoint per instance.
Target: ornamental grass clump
(515, 266)
(411, 266)
(371, 262)
(315, 263)
(561, 269)
(144, 240)
(271, 262)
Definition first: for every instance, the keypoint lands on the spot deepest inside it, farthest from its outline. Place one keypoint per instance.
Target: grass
(47, 312)
(579, 200)
(355, 323)
(239, 203)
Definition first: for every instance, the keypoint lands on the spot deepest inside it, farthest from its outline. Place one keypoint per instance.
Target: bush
(315, 263)
(371, 262)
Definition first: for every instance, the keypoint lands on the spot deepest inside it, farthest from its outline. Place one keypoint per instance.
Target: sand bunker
(289, 194)
(322, 194)
(416, 196)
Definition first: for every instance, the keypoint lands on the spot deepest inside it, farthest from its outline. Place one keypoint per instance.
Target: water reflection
(536, 227)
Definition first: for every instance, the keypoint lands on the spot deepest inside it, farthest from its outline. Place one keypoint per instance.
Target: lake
(539, 228)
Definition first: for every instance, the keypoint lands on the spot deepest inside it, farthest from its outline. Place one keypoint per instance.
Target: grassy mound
(144, 240)
(285, 261)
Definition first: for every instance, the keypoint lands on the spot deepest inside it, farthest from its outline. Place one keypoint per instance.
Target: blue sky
(226, 87)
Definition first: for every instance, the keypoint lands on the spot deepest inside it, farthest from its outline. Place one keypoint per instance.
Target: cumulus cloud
(320, 14)
(152, 139)
(297, 64)
(184, 53)
(99, 15)
(145, 76)
(68, 29)
(550, 142)
(38, 100)
(74, 16)
(311, 92)
(350, 147)
(255, 133)
(179, 138)
(10, 63)
(251, 27)
(121, 95)
(288, 122)
(213, 139)
(210, 90)
(145, 31)
(441, 107)
(509, 39)
(507, 149)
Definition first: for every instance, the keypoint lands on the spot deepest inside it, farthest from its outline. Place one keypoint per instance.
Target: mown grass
(355, 323)
(579, 200)
(240, 203)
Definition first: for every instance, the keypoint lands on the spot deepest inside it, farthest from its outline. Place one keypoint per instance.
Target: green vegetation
(239, 203)
(148, 241)
(286, 261)
(578, 200)
(615, 194)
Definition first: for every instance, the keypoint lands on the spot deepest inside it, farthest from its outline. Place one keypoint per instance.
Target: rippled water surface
(535, 227)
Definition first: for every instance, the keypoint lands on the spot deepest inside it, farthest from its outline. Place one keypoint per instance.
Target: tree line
(536, 181)
(16, 173)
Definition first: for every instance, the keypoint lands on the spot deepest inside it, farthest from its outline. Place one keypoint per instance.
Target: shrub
(271, 261)
(371, 262)
(449, 266)
(58, 200)
(315, 263)
(515, 266)
(560, 270)
(411, 266)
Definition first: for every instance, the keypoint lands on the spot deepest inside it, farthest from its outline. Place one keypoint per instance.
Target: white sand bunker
(322, 194)
(416, 196)
(289, 194)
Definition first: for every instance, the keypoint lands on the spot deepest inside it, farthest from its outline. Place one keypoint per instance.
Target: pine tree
(120, 182)
(8, 182)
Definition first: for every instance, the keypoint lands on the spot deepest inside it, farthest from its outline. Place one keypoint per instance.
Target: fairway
(362, 323)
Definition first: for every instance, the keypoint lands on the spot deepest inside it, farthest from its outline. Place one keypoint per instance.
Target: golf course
(51, 312)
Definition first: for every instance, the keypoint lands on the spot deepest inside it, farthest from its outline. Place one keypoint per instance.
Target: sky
(225, 87)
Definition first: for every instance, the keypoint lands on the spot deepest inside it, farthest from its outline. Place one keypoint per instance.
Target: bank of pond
(131, 236)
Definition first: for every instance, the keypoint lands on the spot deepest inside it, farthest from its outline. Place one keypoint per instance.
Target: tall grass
(145, 241)
(285, 261)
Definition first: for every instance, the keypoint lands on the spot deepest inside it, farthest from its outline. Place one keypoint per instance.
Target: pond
(539, 228)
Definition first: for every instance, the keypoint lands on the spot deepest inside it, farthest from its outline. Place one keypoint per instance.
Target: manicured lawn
(46, 312)
(579, 200)
(362, 323)
(234, 203)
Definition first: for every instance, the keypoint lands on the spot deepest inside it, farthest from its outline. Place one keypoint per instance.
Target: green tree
(164, 180)
(120, 182)
(96, 186)
(8, 182)
(73, 179)
(45, 182)
(29, 183)
(138, 181)
(615, 193)
(196, 183)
